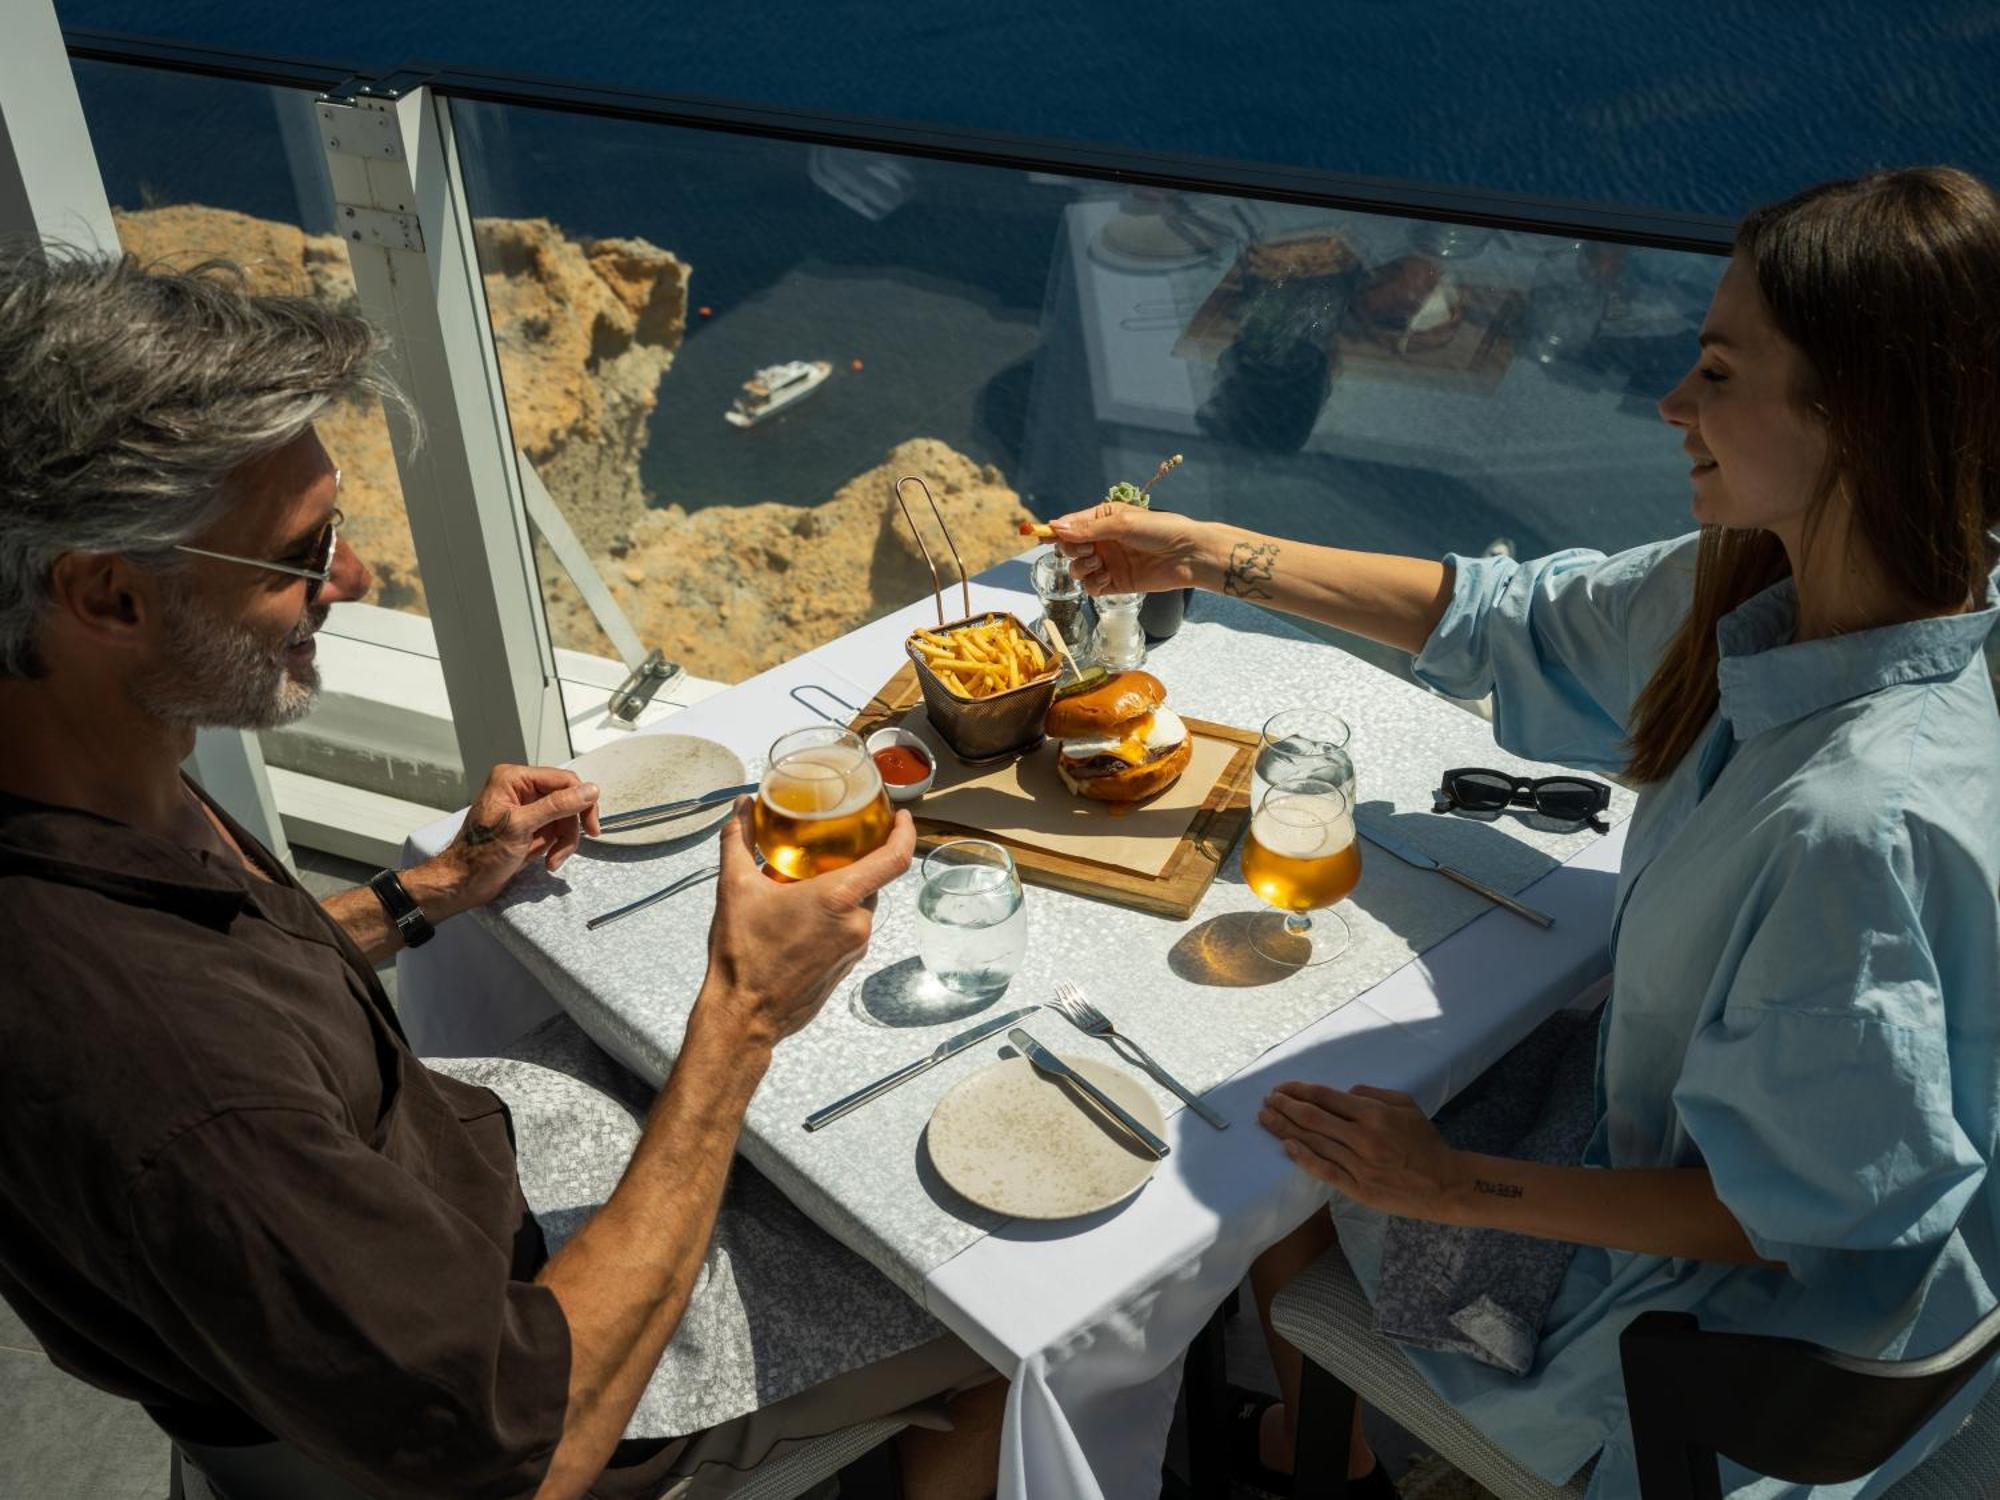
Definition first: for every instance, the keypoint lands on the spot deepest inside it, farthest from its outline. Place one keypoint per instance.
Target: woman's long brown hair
(1890, 286)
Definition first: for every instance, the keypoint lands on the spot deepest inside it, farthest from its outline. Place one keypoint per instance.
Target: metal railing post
(51, 190)
(400, 206)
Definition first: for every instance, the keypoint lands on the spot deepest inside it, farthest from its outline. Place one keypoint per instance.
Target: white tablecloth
(1090, 1322)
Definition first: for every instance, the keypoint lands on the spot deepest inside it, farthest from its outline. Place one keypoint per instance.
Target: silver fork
(1071, 1005)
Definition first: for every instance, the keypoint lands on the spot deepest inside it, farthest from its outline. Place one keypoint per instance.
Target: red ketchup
(902, 766)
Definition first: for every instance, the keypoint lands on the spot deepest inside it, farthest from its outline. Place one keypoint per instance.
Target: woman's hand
(1121, 549)
(1372, 1144)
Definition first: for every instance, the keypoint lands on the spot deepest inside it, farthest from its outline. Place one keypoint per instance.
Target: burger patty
(1104, 765)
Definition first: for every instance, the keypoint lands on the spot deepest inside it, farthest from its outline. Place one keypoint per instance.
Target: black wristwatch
(402, 909)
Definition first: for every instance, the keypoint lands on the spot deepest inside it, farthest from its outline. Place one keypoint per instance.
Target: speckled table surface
(1190, 991)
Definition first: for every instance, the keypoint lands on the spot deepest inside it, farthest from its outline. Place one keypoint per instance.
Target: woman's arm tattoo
(1251, 566)
(1497, 1189)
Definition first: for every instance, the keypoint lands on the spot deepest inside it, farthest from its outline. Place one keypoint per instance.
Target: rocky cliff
(585, 330)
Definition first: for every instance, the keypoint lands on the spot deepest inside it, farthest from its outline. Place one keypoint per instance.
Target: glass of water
(972, 929)
(1302, 744)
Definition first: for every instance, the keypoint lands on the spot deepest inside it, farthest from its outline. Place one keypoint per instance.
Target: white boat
(775, 387)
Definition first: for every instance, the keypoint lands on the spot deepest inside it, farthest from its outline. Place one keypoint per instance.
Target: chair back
(1780, 1407)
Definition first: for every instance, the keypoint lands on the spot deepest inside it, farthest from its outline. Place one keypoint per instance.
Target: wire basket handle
(937, 584)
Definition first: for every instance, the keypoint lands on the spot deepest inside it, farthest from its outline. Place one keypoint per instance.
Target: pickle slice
(1086, 679)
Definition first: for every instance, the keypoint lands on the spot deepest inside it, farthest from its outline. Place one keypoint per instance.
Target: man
(227, 1188)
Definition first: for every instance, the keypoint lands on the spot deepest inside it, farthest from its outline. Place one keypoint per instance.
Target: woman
(1799, 1072)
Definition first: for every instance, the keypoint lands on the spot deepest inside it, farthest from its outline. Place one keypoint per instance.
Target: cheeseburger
(1118, 742)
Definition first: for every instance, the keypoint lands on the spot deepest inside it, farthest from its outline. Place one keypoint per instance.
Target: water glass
(1302, 743)
(972, 928)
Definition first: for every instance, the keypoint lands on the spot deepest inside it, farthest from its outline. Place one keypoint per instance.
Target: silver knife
(946, 1048)
(1423, 861)
(1046, 1061)
(634, 817)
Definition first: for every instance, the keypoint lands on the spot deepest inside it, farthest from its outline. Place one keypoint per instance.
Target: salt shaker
(1120, 643)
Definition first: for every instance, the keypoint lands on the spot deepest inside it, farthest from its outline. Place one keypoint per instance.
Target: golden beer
(821, 804)
(1302, 855)
(1293, 884)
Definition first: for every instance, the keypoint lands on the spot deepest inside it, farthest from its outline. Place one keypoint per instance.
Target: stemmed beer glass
(1302, 856)
(820, 803)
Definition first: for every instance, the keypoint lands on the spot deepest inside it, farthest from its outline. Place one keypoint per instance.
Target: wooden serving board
(1190, 869)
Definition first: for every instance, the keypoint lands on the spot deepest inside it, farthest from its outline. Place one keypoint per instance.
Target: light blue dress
(1806, 943)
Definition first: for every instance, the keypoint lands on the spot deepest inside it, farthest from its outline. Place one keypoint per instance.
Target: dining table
(1089, 1318)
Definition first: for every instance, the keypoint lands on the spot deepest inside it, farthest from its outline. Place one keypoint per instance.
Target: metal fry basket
(975, 729)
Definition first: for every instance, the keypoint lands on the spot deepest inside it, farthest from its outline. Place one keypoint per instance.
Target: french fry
(994, 655)
(1039, 531)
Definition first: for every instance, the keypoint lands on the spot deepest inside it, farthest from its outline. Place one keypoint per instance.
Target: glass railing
(203, 167)
(1023, 339)
(721, 334)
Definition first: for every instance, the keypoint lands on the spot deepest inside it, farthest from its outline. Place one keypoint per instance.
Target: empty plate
(648, 769)
(1025, 1145)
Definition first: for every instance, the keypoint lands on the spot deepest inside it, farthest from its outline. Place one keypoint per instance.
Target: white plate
(648, 769)
(1022, 1144)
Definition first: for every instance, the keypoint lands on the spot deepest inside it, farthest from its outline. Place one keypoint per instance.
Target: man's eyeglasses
(318, 566)
(1567, 799)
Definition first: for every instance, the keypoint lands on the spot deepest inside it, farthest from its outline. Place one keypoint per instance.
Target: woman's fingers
(1305, 1115)
(1333, 1101)
(1385, 1096)
(1329, 1168)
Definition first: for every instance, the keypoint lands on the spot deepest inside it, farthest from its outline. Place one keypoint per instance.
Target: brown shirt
(229, 1191)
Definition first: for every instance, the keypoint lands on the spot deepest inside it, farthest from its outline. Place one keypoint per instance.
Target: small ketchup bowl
(892, 739)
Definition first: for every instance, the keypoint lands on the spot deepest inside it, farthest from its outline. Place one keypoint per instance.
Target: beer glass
(820, 804)
(1298, 743)
(1302, 856)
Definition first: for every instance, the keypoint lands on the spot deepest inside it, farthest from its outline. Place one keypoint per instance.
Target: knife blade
(1411, 855)
(633, 817)
(1043, 1060)
(949, 1047)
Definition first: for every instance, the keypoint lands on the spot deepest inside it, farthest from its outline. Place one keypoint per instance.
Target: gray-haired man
(227, 1188)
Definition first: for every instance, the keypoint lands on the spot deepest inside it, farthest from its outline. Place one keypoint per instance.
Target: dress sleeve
(1563, 643)
(1822, 1096)
(348, 1309)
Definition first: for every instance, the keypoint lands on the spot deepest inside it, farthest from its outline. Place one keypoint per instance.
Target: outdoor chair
(1798, 1411)
(575, 1117)
(1776, 1405)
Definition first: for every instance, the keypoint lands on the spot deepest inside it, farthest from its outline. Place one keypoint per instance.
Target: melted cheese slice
(1154, 734)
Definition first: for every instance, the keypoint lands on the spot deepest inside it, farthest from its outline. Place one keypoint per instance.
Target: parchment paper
(1025, 800)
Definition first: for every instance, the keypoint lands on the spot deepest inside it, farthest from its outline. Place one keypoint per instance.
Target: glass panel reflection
(1024, 341)
(240, 176)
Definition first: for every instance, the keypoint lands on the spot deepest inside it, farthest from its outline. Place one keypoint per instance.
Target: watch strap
(411, 923)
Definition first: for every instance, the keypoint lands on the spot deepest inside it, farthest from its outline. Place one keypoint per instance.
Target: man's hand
(777, 949)
(523, 815)
(1374, 1145)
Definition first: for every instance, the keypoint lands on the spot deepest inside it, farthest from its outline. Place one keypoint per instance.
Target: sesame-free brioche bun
(1129, 783)
(1125, 695)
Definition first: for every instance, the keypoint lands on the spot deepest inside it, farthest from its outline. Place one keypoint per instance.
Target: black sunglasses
(1567, 799)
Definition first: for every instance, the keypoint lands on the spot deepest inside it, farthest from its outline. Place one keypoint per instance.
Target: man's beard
(215, 674)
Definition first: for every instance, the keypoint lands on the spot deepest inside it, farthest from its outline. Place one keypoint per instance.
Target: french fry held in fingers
(1041, 531)
(979, 660)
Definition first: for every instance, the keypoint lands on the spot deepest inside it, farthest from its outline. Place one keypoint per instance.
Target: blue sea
(961, 298)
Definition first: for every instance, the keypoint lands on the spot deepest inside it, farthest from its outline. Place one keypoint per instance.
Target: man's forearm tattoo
(1497, 1189)
(1251, 566)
